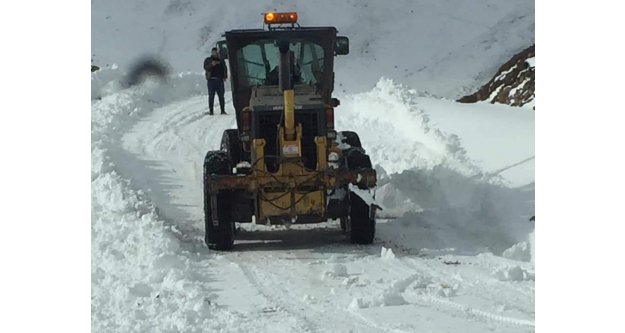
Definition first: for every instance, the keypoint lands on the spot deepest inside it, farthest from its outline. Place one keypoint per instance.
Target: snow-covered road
(431, 269)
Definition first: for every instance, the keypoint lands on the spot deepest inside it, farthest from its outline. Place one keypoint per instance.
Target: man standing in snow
(216, 75)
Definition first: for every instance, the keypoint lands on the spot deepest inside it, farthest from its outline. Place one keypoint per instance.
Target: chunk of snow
(357, 303)
(365, 195)
(348, 281)
(244, 164)
(393, 299)
(519, 251)
(337, 270)
(532, 249)
(387, 254)
(361, 282)
(513, 273)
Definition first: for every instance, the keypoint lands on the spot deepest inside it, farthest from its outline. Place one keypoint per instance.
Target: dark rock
(513, 84)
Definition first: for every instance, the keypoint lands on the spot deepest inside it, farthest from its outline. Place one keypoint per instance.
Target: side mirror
(342, 45)
(335, 102)
(223, 49)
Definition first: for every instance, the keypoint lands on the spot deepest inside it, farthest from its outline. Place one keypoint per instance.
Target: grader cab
(285, 162)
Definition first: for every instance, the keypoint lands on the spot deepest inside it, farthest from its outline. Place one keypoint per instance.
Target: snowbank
(445, 209)
(520, 251)
(146, 276)
(513, 273)
(532, 247)
(396, 131)
(445, 168)
(402, 129)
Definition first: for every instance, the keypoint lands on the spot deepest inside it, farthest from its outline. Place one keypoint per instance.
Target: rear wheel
(219, 235)
(350, 138)
(360, 223)
(232, 146)
(356, 159)
(360, 220)
(343, 222)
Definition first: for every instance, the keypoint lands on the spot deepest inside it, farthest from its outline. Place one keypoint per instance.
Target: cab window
(258, 62)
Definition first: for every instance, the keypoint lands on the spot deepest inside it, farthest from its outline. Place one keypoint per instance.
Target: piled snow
(396, 131)
(449, 43)
(520, 251)
(445, 181)
(532, 249)
(365, 195)
(146, 275)
(401, 129)
(513, 273)
(137, 267)
(451, 210)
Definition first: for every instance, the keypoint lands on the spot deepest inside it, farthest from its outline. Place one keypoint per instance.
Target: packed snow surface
(448, 256)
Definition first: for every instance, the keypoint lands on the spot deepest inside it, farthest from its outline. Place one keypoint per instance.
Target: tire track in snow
(464, 309)
(176, 137)
(269, 295)
(331, 320)
(467, 310)
(406, 267)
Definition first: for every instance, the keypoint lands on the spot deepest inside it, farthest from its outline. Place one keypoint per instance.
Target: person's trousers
(216, 85)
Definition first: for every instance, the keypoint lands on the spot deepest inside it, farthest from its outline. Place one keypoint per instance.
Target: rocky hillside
(513, 84)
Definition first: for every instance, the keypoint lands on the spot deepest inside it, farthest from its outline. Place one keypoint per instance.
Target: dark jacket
(219, 71)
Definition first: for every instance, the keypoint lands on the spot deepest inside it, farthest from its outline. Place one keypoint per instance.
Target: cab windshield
(259, 61)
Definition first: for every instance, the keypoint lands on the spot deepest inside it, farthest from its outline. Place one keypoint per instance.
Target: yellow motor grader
(285, 163)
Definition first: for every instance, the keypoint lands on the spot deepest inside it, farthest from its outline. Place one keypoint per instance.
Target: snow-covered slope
(436, 46)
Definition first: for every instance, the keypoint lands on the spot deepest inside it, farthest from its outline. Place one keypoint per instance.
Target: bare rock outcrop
(513, 84)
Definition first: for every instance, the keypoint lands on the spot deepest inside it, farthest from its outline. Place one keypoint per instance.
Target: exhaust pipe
(286, 86)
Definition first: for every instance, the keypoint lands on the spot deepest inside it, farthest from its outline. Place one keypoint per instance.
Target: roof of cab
(296, 29)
